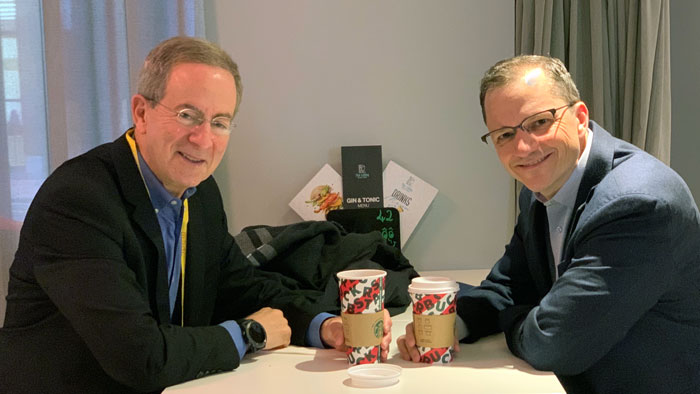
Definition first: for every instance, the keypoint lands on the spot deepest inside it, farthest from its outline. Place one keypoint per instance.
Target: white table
(483, 367)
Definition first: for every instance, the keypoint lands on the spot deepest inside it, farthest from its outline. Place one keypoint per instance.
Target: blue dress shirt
(561, 205)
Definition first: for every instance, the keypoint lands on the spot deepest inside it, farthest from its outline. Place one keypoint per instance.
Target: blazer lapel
(143, 216)
(600, 162)
(142, 213)
(196, 258)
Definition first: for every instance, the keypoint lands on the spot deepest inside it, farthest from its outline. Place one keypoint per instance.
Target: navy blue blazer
(88, 308)
(624, 315)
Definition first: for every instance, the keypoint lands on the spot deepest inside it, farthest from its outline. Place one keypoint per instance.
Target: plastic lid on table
(374, 375)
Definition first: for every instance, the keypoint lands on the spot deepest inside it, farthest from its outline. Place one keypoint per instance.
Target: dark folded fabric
(309, 254)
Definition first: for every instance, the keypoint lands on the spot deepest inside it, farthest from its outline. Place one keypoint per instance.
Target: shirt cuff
(235, 331)
(313, 333)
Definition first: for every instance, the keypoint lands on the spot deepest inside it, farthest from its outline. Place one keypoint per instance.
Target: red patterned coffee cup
(362, 310)
(434, 311)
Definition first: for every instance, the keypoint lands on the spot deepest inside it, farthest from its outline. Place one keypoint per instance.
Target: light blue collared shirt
(561, 205)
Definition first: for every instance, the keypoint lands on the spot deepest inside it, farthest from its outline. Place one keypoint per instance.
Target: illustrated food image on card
(324, 199)
(322, 194)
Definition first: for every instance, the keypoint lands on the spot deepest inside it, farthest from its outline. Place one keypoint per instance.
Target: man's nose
(201, 135)
(524, 141)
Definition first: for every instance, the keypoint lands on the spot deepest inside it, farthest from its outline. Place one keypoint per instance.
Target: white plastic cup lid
(374, 375)
(361, 274)
(433, 285)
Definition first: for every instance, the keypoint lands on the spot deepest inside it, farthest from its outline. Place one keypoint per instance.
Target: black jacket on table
(88, 309)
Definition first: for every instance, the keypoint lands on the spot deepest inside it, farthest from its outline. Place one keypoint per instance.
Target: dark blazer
(624, 315)
(87, 310)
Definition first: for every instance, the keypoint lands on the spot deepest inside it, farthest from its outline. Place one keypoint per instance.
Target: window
(23, 140)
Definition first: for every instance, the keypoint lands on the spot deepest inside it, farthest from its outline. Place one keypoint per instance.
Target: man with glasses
(599, 282)
(126, 278)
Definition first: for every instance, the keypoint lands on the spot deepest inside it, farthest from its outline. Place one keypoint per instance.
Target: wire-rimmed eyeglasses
(537, 124)
(190, 117)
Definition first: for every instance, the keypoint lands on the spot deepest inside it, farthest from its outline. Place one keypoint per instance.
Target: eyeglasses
(537, 124)
(190, 117)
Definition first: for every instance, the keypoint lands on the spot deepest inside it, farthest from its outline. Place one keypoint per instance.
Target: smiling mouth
(191, 159)
(534, 163)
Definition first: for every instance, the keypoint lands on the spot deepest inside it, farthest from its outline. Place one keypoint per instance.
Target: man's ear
(138, 112)
(581, 114)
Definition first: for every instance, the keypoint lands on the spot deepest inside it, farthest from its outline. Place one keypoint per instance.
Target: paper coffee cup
(434, 311)
(362, 310)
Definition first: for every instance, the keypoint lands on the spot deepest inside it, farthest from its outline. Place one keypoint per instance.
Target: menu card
(362, 176)
(410, 195)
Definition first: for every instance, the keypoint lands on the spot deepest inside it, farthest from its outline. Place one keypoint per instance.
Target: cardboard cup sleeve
(434, 330)
(363, 329)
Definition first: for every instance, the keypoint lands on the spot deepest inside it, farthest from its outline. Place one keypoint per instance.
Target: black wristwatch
(253, 334)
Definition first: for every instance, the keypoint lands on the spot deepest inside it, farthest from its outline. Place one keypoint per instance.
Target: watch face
(256, 332)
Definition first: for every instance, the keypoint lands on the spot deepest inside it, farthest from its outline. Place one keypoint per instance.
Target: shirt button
(559, 229)
(156, 210)
(173, 202)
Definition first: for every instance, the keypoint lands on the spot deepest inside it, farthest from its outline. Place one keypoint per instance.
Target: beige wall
(403, 74)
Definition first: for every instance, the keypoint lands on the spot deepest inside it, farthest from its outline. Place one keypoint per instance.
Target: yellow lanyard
(183, 231)
(183, 254)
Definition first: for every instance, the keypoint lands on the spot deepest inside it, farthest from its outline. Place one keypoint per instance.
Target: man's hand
(276, 327)
(332, 334)
(407, 345)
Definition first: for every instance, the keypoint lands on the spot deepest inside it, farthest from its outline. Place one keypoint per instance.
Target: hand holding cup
(362, 313)
(434, 312)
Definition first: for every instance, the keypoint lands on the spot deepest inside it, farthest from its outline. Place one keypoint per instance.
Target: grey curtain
(618, 52)
(94, 51)
(74, 66)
